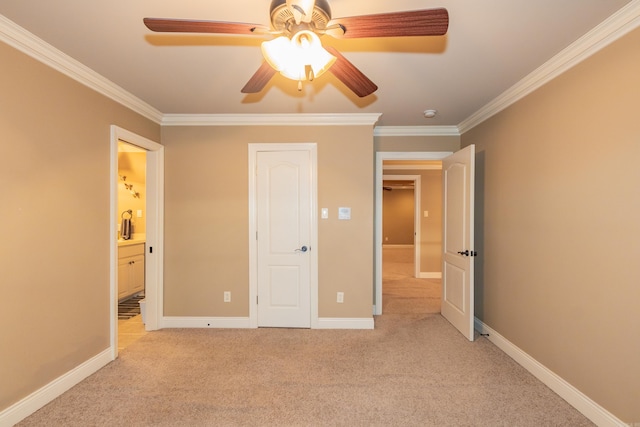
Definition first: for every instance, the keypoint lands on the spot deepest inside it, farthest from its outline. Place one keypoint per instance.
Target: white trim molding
(590, 409)
(33, 46)
(357, 119)
(177, 322)
(411, 167)
(345, 323)
(616, 26)
(416, 131)
(39, 398)
(430, 275)
(610, 30)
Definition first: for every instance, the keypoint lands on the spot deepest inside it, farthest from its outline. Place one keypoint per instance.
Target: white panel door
(283, 207)
(458, 244)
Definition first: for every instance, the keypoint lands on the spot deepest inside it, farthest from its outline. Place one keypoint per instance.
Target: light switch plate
(324, 213)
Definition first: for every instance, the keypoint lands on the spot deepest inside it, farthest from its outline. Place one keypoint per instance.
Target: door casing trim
(154, 266)
(253, 149)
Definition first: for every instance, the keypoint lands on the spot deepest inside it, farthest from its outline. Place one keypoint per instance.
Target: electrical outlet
(340, 297)
(227, 296)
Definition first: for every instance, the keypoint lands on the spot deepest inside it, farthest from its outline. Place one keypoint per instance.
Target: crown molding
(270, 119)
(616, 26)
(33, 46)
(610, 30)
(416, 131)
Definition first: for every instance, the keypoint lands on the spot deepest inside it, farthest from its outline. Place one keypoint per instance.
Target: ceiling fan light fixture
(292, 57)
(302, 10)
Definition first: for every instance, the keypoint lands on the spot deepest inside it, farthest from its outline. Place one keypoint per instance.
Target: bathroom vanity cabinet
(130, 270)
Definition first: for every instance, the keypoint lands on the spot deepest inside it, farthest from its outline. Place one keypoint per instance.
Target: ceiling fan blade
(259, 80)
(427, 22)
(348, 74)
(195, 26)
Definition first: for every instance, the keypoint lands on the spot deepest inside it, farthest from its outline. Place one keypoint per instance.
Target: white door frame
(380, 157)
(416, 215)
(154, 262)
(253, 149)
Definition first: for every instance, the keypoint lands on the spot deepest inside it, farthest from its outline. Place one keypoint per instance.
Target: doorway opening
(426, 251)
(136, 219)
(132, 206)
(401, 214)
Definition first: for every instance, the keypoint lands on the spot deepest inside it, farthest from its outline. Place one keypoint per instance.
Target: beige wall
(397, 216)
(416, 143)
(430, 226)
(54, 251)
(206, 217)
(557, 231)
(557, 227)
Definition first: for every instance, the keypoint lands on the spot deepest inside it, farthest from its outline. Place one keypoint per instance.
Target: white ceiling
(491, 45)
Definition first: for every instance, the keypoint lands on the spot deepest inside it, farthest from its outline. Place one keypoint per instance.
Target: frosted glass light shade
(292, 57)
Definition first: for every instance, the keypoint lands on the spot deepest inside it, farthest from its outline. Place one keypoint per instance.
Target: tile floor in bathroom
(130, 331)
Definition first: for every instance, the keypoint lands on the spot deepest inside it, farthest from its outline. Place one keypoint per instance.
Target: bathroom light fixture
(300, 58)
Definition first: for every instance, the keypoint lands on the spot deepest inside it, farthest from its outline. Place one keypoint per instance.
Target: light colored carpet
(414, 369)
(402, 293)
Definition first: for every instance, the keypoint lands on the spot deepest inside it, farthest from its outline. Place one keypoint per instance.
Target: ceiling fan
(297, 52)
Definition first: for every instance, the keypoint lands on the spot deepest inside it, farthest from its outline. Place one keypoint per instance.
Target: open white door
(458, 181)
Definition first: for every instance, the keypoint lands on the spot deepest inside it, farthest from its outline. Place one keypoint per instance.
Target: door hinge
(256, 299)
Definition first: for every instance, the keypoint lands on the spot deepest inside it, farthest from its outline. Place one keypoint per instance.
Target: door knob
(468, 253)
(302, 249)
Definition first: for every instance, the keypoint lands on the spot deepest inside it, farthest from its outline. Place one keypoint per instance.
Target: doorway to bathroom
(132, 207)
(137, 181)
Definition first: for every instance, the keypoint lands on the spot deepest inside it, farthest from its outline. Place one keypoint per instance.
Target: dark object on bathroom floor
(129, 308)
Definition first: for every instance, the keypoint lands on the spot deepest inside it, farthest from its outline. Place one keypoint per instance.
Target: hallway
(401, 292)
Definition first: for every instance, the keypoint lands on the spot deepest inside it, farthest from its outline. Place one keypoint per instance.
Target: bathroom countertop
(133, 241)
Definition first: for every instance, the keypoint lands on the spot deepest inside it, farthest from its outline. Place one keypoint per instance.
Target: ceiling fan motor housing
(282, 18)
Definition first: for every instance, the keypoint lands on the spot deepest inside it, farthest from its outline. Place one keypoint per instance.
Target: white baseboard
(432, 275)
(206, 322)
(36, 400)
(590, 409)
(244, 323)
(345, 323)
